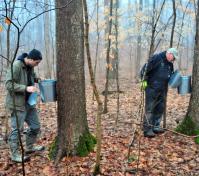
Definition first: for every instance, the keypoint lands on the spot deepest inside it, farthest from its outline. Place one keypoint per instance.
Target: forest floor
(167, 154)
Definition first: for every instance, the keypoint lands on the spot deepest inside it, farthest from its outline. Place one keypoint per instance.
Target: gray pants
(30, 116)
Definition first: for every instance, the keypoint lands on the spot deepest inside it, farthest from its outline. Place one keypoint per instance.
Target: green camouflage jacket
(20, 83)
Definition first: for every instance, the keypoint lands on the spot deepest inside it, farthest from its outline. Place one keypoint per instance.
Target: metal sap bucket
(175, 79)
(48, 90)
(185, 86)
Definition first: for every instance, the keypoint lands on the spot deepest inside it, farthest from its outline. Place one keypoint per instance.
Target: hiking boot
(158, 130)
(15, 152)
(32, 149)
(149, 133)
(18, 158)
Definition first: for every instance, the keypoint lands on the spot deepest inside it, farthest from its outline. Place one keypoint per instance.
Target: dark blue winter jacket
(159, 71)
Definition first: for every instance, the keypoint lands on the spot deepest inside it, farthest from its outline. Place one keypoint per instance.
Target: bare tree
(109, 66)
(73, 135)
(154, 25)
(10, 12)
(139, 40)
(174, 22)
(97, 43)
(129, 40)
(116, 57)
(96, 93)
(48, 64)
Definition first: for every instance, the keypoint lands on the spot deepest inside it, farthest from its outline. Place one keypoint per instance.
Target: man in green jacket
(19, 88)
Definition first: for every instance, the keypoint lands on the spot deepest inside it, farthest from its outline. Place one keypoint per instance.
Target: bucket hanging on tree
(185, 86)
(48, 90)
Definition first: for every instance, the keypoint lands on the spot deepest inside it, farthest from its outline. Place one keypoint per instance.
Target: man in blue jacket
(158, 71)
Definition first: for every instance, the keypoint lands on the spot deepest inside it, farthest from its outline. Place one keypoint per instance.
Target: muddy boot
(149, 133)
(148, 125)
(158, 130)
(30, 148)
(17, 157)
(15, 154)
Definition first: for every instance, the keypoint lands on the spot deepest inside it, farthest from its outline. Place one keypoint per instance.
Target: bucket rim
(48, 80)
(186, 76)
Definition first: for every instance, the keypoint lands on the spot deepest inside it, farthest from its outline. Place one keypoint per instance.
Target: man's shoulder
(18, 63)
(158, 56)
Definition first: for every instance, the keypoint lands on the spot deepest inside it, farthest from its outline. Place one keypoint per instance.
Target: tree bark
(97, 42)
(48, 63)
(95, 91)
(193, 110)
(174, 22)
(139, 45)
(72, 118)
(190, 123)
(10, 13)
(108, 59)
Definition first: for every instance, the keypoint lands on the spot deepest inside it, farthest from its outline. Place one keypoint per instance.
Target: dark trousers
(154, 108)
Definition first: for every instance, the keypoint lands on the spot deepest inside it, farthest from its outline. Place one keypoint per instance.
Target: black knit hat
(35, 55)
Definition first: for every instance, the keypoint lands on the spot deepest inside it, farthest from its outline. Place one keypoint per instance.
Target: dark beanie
(35, 55)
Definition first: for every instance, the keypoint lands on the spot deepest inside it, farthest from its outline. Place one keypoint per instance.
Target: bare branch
(5, 58)
(45, 12)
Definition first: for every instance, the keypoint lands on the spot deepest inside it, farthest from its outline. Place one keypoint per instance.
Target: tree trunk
(2, 63)
(73, 132)
(171, 44)
(174, 22)
(48, 68)
(97, 42)
(190, 124)
(95, 91)
(117, 60)
(151, 49)
(130, 55)
(193, 110)
(11, 12)
(114, 44)
(108, 59)
(181, 29)
(138, 56)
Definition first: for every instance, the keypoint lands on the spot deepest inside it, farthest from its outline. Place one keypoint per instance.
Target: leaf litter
(166, 154)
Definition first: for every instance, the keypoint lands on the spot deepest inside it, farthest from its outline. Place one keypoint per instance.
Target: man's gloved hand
(143, 84)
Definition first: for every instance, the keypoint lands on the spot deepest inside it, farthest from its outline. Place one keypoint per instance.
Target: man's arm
(9, 81)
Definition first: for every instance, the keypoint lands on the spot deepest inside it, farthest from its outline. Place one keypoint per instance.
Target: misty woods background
(140, 28)
(123, 34)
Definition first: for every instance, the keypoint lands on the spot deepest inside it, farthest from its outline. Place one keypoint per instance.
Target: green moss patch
(86, 144)
(96, 170)
(197, 139)
(188, 127)
(53, 149)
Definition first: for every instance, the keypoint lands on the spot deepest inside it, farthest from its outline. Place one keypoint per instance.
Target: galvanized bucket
(175, 79)
(185, 86)
(48, 90)
(32, 100)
